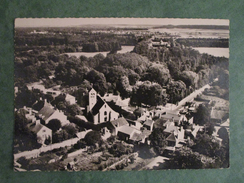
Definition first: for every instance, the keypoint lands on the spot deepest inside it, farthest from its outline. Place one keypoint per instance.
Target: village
(109, 136)
(120, 98)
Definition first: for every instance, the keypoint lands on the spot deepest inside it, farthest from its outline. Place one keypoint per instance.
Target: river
(218, 52)
(124, 49)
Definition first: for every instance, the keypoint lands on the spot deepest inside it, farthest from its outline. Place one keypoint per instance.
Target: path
(190, 97)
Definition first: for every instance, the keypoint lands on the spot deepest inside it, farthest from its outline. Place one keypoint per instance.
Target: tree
(20, 123)
(123, 86)
(98, 80)
(131, 61)
(148, 93)
(74, 110)
(71, 129)
(202, 116)
(157, 73)
(118, 149)
(205, 144)
(186, 158)
(224, 135)
(176, 91)
(92, 138)
(54, 125)
(60, 136)
(158, 140)
(190, 78)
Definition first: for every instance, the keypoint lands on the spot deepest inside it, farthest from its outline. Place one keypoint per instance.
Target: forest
(139, 75)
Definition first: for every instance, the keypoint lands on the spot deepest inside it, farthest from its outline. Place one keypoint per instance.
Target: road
(154, 163)
(190, 97)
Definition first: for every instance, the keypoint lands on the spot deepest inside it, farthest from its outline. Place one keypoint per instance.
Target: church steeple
(92, 98)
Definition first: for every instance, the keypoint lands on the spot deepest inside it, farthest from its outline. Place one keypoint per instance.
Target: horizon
(135, 22)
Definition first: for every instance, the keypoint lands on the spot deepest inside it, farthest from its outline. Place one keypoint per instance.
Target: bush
(92, 138)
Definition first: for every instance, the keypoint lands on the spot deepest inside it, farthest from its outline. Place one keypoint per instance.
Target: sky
(63, 22)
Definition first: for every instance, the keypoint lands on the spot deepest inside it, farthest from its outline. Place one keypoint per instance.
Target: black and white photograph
(102, 94)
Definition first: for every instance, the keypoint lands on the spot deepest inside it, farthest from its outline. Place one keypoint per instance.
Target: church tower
(92, 99)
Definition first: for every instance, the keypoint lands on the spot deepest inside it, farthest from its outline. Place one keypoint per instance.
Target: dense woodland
(178, 69)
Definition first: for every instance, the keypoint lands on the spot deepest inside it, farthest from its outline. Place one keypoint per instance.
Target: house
(148, 124)
(114, 125)
(36, 85)
(99, 110)
(134, 123)
(42, 132)
(139, 112)
(125, 133)
(116, 99)
(176, 118)
(70, 99)
(217, 116)
(48, 113)
(52, 92)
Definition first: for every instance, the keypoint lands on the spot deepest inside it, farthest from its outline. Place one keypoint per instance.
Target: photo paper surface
(125, 94)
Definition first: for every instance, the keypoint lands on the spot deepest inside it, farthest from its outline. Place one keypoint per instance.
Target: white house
(99, 109)
(48, 113)
(70, 99)
(42, 132)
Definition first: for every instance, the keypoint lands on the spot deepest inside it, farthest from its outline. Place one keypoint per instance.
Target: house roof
(171, 129)
(81, 117)
(98, 105)
(136, 137)
(217, 114)
(171, 137)
(139, 111)
(148, 122)
(168, 123)
(171, 116)
(38, 105)
(46, 111)
(110, 97)
(69, 97)
(119, 122)
(37, 127)
(127, 130)
(226, 123)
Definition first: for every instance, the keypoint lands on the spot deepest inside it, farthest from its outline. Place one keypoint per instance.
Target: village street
(190, 97)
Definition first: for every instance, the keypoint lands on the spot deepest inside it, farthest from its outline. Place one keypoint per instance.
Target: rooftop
(119, 122)
(148, 122)
(98, 105)
(217, 114)
(46, 111)
(171, 137)
(127, 130)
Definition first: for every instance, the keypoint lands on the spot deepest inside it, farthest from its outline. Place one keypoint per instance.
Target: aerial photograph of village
(125, 94)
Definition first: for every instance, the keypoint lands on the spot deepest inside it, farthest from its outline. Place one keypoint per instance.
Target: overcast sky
(62, 22)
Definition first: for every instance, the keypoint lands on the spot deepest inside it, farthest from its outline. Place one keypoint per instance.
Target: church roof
(98, 105)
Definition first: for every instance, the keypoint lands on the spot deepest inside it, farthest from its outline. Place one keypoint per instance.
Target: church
(98, 110)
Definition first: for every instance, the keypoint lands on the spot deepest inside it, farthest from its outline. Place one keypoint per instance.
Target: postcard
(125, 94)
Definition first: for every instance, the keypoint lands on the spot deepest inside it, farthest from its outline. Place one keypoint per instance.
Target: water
(124, 49)
(218, 52)
(194, 33)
